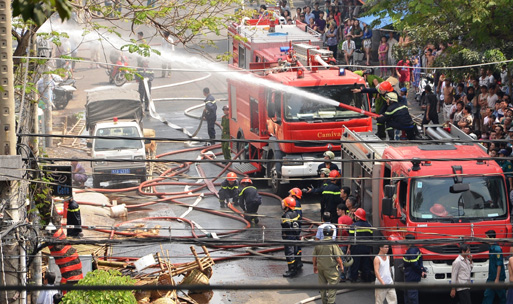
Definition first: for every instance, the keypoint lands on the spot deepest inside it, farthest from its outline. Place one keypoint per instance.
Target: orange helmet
(289, 202)
(231, 176)
(296, 192)
(334, 174)
(246, 181)
(361, 214)
(386, 86)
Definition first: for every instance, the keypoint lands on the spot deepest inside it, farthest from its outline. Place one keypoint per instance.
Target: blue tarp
(380, 23)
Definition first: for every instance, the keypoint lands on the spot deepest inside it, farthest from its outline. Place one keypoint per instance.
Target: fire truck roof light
(284, 49)
(300, 73)
(341, 71)
(115, 119)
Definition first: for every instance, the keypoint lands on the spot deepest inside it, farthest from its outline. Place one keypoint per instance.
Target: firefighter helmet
(231, 176)
(385, 86)
(329, 154)
(246, 181)
(289, 202)
(360, 213)
(296, 192)
(392, 97)
(326, 171)
(334, 174)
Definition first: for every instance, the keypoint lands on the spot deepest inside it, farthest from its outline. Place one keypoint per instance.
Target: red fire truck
(290, 92)
(411, 189)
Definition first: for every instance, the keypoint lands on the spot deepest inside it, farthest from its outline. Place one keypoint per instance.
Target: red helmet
(296, 192)
(361, 214)
(334, 174)
(289, 202)
(231, 176)
(246, 181)
(386, 86)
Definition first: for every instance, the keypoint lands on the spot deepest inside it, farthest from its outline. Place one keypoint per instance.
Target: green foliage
(38, 11)
(98, 278)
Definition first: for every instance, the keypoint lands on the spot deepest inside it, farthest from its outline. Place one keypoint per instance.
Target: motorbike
(116, 73)
(63, 93)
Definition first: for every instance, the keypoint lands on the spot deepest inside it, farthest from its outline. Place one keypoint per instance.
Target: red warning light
(300, 73)
(115, 119)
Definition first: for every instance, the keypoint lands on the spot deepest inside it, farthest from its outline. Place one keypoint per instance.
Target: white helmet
(329, 154)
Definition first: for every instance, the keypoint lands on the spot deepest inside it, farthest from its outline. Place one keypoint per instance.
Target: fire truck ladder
(363, 151)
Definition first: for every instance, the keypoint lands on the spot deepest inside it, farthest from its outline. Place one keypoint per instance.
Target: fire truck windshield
(301, 108)
(431, 199)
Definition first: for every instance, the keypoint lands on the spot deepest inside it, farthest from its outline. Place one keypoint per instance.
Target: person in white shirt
(384, 277)
(46, 296)
(391, 43)
(167, 46)
(483, 81)
(326, 218)
(492, 97)
(348, 47)
(461, 274)
(489, 78)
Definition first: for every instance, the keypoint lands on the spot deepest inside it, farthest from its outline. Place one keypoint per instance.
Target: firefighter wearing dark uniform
(225, 124)
(74, 218)
(379, 101)
(331, 196)
(328, 157)
(249, 200)
(414, 270)
(380, 91)
(229, 190)
(297, 194)
(361, 230)
(397, 116)
(290, 230)
(210, 114)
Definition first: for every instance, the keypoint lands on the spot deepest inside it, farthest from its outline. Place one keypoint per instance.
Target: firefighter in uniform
(379, 102)
(74, 218)
(331, 196)
(229, 190)
(397, 116)
(328, 157)
(362, 231)
(290, 230)
(381, 90)
(496, 271)
(249, 200)
(225, 124)
(414, 270)
(210, 115)
(324, 173)
(297, 194)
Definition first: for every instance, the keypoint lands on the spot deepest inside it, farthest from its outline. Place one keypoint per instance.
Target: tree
(479, 30)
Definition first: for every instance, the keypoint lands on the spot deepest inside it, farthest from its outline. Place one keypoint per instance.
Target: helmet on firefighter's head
(246, 181)
(385, 86)
(391, 97)
(361, 214)
(334, 174)
(231, 176)
(325, 171)
(329, 154)
(289, 202)
(296, 192)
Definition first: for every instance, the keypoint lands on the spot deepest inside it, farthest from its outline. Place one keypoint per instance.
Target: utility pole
(9, 182)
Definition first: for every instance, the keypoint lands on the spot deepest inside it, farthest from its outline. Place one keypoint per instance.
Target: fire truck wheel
(96, 182)
(274, 178)
(240, 147)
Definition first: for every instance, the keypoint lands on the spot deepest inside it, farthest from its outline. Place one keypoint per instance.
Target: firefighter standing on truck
(290, 231)
(209, 114)
(225, 124)
(361, 230)
(229, 190)
(249, 201)
(397, 117)
(328, 157)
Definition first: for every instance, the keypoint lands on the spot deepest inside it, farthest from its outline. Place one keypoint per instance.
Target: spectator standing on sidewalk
(384, 277)
(430, 114)
(461, 274)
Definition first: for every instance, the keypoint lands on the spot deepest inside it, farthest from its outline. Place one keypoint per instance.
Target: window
(233, 102)
(242, 57)
(117, 144)
(254, 120)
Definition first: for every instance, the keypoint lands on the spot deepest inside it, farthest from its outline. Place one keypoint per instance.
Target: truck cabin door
(273, 100)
